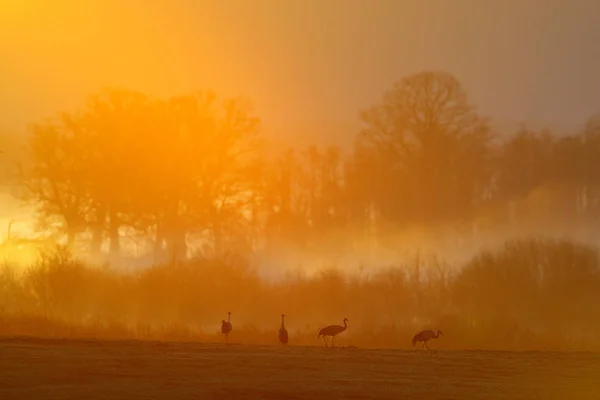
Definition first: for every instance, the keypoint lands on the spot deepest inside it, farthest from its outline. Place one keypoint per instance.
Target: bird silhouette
(283, 333)
(425, 336)
(332, 330)
(226, 327)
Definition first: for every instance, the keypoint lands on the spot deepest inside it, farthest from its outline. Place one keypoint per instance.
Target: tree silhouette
(524, 163)
(116, 122)
(222, 150)
(55, 178)
(165, 168)
(189, 171)
(287, 202)
(432, 147)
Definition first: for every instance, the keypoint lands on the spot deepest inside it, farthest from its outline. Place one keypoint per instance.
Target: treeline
(190, 174)
(529, 294)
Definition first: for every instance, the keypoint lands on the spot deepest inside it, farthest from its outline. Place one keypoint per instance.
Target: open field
(90, 369)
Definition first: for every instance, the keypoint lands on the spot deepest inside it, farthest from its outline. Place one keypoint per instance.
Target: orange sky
(305, 64)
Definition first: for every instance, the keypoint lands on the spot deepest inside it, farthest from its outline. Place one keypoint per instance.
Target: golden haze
(188, 182)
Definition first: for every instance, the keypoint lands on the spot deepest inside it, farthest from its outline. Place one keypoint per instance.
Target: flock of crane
(331, 330)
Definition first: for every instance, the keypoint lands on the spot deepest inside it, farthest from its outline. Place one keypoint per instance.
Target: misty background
(416, 152)
(308, 66)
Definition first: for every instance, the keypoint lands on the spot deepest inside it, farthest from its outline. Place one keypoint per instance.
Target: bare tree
(432, 147)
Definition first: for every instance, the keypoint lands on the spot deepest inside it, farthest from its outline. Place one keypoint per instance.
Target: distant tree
(164, 168)
(360, 184)
(323, 186)
(585, 167)
(525, 162)
(116, 124)
(313, 184)
(332, 205)
(55, 179)
(11, 153)
(211, 167)
(287, 206)
(433, 149)
(305, 196)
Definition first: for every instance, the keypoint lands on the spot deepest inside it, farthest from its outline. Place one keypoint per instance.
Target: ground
(88, 369)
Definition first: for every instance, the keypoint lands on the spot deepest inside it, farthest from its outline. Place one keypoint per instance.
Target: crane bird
(283, 333)
(226, 327)
(332, 330)
(425, 336)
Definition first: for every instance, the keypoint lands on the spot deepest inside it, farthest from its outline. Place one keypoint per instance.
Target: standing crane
(283, 333)
(425, 336)
(332, 330)
(226, 327)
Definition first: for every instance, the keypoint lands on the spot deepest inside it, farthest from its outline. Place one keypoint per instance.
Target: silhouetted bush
(533, 286)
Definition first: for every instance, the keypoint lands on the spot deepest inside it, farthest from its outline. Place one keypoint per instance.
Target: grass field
(88, 369)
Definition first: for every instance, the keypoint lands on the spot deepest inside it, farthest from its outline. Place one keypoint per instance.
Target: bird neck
(345, 325)
(229, 318)
(282, 324)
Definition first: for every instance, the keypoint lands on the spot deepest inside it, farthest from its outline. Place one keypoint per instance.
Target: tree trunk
(158, 243)
(71, 236)
(177, 246)
(115, 245)
(217, 240)
(96, 245)
(113, 234)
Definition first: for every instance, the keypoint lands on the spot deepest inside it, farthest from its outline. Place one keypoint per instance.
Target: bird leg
(333, 340)
(325, 340)
(427, 346)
